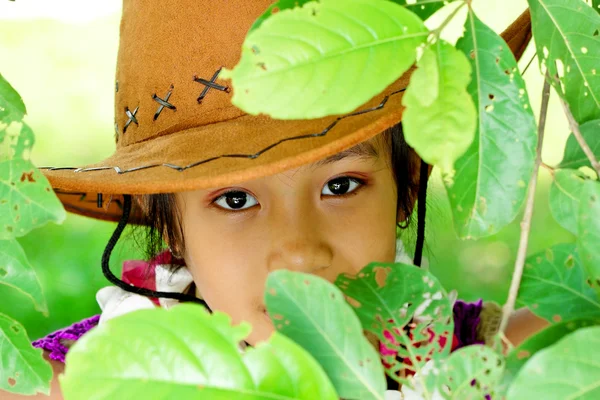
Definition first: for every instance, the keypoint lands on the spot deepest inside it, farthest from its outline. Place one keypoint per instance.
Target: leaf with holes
(23, 369)
(554, 286)
(567, 39)
(574, 156)
(491, 178)
(547, 337)
(472, 372)
(12, 108)
(16, 141)
(313, 313)
(589, 230)
(185, 352)
(440, 117)
(308, 50)
(389, 297)
(596, 5)
(568, 369)
(16, 272)
(26, 199)
(423, 8)
(564, 197)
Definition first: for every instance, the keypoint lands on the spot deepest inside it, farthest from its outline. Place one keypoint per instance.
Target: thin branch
(577, 133)
(437, 31)
(526, 222)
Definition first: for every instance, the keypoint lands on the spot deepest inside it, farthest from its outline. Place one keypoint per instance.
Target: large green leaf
(472, 372)
(16, 272)
(564, 197)
(554, 285)
(313, 313)
(12, 108)
(568, 369)
(387, 298)
(186, 352)
(574, 156)
(331, 56)
(518, 356)
(440, 117)
(26, 199)
(22, 367)
(588, 238)
(491, 177)
(568, 45)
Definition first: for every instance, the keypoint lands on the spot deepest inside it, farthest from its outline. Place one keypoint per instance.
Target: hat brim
(232, 151)
(225, 153)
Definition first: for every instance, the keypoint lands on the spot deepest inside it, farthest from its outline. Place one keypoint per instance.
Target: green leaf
(472, 372)
(23, 369)
(574, 156)
(564, 197)
(554, 286)
(565, 33)
(12, 108)
(547, 337)
(16, 272)
(588, 238)
(387, 297)
(313, 313)
(440, 117)
(26, 199)
(308, 50)
(491, 178)
(568, 369)
(185, 352)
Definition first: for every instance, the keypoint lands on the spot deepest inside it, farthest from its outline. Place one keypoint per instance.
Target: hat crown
(170, 54)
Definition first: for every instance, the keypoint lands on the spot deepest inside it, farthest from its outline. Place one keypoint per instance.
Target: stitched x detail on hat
(210, 85)
(131, 117)
(163, 103)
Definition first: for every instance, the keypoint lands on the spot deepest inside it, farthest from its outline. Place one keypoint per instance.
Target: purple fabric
(54, 341)
(466, 320)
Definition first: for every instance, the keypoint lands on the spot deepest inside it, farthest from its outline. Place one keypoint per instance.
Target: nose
(297, 244)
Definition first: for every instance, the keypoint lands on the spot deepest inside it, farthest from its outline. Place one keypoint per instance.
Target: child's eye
(341, 186)
(235, 200)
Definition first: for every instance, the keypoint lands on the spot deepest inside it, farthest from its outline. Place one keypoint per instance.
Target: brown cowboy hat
(175, 126)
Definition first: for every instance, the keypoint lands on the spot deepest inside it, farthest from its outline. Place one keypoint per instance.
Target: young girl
(236, 196)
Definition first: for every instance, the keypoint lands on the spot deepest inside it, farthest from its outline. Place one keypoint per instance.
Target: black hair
(162, 218)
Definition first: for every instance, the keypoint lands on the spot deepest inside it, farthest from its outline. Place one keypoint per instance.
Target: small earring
(404, 224)
(173, 253)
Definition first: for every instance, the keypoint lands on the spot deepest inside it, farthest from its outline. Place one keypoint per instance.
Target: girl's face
(326, 218)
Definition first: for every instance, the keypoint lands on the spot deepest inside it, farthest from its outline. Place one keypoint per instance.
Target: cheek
(367, 232)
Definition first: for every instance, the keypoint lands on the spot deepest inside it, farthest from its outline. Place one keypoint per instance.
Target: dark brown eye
(340, 186)
(236, 200)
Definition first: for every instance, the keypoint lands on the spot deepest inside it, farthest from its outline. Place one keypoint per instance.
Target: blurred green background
(60, 56)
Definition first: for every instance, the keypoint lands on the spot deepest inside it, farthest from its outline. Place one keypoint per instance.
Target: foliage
(468, 113)
(26, 202)
(566, 369)
(199, 357)
(439, 121)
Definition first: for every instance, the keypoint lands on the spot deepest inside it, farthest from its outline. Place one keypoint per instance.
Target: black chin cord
(129, 288)
(421, 204)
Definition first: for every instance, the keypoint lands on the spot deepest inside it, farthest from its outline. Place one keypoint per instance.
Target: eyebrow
(361, 150)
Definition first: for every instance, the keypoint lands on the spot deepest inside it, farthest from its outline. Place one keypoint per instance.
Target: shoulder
(522, 324)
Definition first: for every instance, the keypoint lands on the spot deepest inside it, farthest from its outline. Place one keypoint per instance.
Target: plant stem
(526, 221)
(437, 31)
(577, 133)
